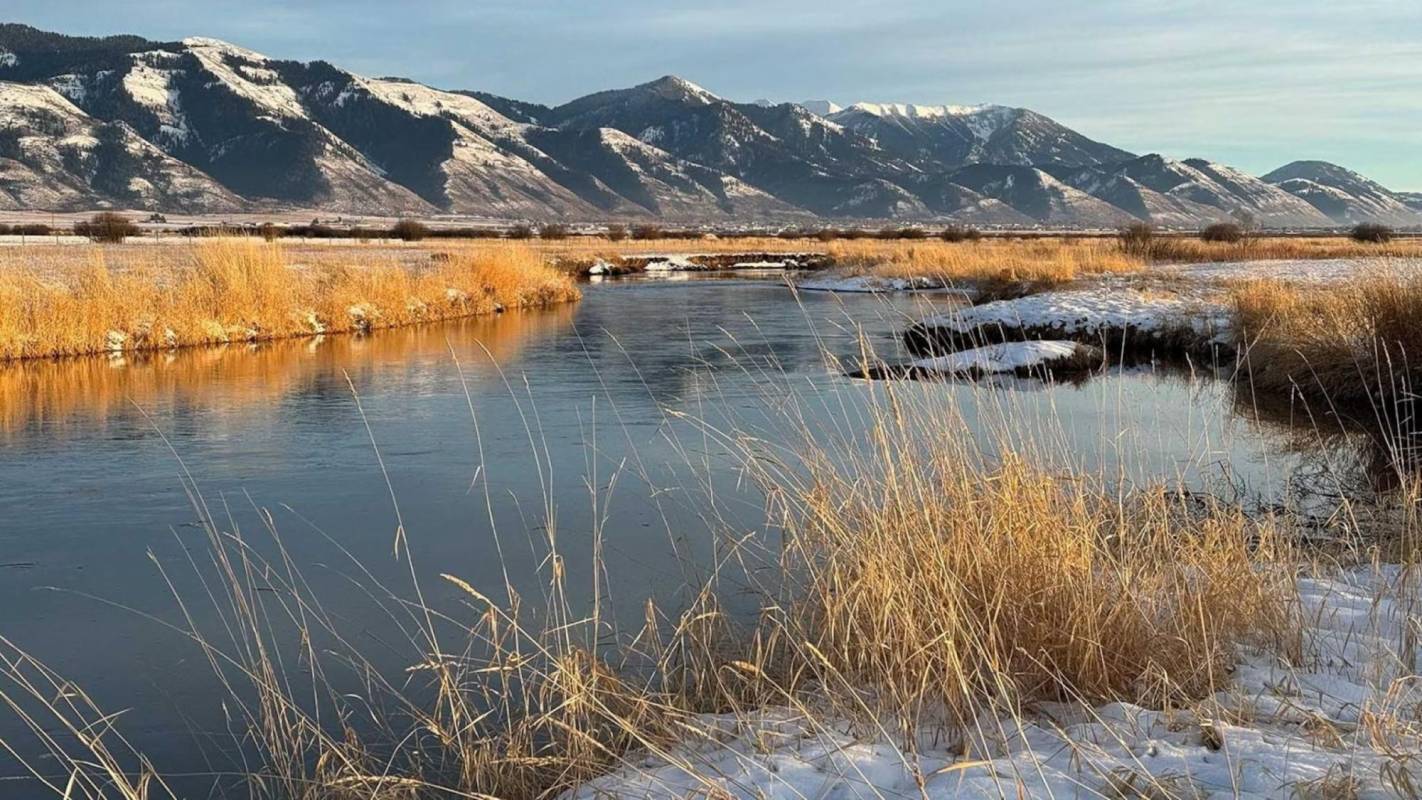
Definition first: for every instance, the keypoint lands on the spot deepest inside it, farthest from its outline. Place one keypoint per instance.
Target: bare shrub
(1371, 233)
(1227, 232)
(648, 231)
(106, 227)
(553, 230)
(956, 233)
(409, 230)
(902, 233)
(1136, 239)
(521, 231)
(616, 232)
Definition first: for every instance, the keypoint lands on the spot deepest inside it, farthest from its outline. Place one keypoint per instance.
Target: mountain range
(204, 126)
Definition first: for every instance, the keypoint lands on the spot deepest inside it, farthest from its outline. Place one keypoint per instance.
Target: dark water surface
(94, 514)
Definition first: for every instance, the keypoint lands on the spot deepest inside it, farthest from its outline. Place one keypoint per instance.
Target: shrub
(827, 234)
(106, 227)
(269, 231)
(521, 232)
(903, 233)
(853, 234)
(33, 229)
(554, 231)
(409, 230)
(4, 229)
(647, 232)
(955, 233)
(616, 232)
(1228, 232)
(1136, 238)
(1372, 233)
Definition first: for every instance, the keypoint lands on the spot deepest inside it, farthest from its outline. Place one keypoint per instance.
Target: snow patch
(1321, 271)
(1087, 313)
(998, 358)
(870, 284)
(1336, 724)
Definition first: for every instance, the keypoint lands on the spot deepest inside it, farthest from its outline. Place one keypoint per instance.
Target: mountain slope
(1038, 195)
(54, 156)
(952, 136)
(1342, 194)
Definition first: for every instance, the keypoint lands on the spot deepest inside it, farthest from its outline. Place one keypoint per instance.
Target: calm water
(93, 511)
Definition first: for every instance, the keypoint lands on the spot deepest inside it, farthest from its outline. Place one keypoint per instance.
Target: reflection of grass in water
(919, 581)
(231, 290)
(233, 379)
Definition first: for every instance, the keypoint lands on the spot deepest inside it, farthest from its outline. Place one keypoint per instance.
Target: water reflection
(1347, 452)
(226, 384)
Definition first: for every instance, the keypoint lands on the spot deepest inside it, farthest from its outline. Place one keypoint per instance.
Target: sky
(1251, 83)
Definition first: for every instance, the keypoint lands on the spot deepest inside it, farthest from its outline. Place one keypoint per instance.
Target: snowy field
(1339, 720)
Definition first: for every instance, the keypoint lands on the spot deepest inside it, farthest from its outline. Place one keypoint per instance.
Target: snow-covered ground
(872, 284)
(1340, 722)
(1001, 358)
(1318, 271)
(1088, 313)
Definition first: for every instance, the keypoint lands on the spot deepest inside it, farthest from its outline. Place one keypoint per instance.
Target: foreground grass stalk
(913, 581)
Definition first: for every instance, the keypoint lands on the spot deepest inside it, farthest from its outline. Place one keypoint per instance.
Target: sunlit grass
(1350, 342)
(241, 290)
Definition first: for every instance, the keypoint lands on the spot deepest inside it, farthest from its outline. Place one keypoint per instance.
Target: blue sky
(1253, 83)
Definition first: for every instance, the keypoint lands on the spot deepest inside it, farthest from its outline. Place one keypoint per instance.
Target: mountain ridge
(203, 125)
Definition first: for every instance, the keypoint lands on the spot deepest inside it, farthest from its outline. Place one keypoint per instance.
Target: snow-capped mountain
(1344, 195)
(952, 136)
(204, 125)
(1174, 192)
(1037, 194)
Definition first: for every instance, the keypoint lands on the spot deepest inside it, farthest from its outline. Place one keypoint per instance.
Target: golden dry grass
(1041, 261)
(937, 576)
(1181, 249)
(1346, 343)
(240, 290)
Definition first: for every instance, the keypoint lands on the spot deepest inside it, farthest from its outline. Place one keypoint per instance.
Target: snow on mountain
(1194, 191)
(821, 107)
(203, 122)
(247, 74)
(1344, 195)
(54, 156)
(150, 83)
(949, 136)
(1038, 195)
